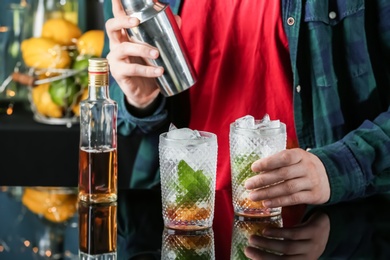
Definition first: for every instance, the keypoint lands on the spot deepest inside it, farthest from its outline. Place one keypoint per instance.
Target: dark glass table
(353, 230)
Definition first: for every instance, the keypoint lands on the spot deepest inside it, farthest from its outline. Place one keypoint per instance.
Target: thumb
(117, 8)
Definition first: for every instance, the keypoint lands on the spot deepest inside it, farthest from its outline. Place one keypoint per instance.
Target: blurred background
(25, 19)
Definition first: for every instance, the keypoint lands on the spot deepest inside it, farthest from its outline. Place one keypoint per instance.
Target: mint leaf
(193, 185)
(242, 166)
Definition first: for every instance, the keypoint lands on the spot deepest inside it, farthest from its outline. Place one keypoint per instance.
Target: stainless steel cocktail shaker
(158, 28)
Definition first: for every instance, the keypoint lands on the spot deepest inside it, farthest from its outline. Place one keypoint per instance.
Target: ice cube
(183, 134)
(266, 122)
(247, 122)
(172, 127)
(266, 119)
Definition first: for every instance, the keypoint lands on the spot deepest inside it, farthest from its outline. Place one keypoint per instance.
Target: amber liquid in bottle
(97, 230)
(97, 177)
(98, 138)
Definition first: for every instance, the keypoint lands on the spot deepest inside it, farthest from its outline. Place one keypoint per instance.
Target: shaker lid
(143, 9)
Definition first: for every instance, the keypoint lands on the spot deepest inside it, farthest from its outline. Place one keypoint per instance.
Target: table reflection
(244, 228)
(178, 244)
(354, 230)
(97, 231)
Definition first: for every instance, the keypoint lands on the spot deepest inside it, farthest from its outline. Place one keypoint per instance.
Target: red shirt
(240, 53)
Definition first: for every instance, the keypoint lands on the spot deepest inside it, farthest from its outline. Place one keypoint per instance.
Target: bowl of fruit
(55, 70)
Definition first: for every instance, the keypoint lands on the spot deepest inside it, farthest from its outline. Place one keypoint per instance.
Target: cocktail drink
(244, 227)
(188, 161)
(251, 140)
(188, 244)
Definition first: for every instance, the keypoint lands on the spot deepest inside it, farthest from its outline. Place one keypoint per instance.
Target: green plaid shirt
(340, 56)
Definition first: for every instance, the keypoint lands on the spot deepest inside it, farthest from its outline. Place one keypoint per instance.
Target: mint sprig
(242, 165)
(192, 185)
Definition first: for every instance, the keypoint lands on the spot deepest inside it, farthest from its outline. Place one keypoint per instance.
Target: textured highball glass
(247, 146)
(188, 176)
(244, 227)
(177, 244)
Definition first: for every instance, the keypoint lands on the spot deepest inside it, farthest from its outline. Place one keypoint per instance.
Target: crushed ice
(249, 122)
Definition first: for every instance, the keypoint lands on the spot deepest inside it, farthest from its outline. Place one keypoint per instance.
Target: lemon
(61, 31)
(91, 43)
(43, 102)
(63, 92)
(44, 53)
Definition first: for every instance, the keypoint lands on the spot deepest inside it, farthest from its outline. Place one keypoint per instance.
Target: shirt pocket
(335, 34)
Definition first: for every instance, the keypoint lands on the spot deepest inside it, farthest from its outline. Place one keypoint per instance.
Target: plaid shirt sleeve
(340, 54)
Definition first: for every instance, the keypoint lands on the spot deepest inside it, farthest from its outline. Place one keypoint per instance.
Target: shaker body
(162, 32)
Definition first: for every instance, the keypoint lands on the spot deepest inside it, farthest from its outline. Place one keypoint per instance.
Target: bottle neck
(98, 85)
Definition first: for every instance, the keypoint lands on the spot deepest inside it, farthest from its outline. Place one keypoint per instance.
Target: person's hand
(290, 177)
(127, 59)
(305, 241)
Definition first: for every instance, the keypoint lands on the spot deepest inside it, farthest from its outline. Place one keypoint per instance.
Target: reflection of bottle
(97, 231)
(98, 138)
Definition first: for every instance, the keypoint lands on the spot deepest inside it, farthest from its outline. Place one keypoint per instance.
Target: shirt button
(298, 88)
(290, 21)
(332, 15)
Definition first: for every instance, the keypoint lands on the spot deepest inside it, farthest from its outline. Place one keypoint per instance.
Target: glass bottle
(98, 138)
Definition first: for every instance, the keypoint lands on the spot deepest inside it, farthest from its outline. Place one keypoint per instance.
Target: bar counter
(353, 230)
(37, 154)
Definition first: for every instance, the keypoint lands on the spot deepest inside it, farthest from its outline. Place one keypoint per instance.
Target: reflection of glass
(188, 244)
(188, 172)
(246, 146)
(97, 231)
(244, 227)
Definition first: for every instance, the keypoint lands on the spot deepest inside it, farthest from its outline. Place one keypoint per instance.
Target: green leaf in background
(193, 185)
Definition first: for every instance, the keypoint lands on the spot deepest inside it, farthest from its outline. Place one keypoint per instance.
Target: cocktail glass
(251, 140)
(188, 161)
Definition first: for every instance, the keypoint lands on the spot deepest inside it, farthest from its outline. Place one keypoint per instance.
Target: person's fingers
(286, 247)
(293, 233)
(127, 49)
(275, 176)
(303, 197)
(117, 8)
(115, 29)
(278, 160)
(257, 253)
(316, 222)
(284, 188)
(138, 70)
